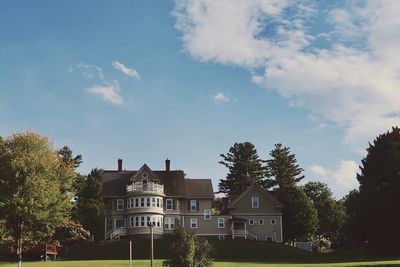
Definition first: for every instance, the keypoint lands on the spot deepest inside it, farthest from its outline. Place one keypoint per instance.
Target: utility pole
(130, 253)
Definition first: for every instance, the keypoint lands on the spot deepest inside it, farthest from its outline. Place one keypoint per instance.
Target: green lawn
(158, 263)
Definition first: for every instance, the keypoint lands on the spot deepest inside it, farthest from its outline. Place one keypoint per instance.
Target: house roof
(262, 190)
(175, 184)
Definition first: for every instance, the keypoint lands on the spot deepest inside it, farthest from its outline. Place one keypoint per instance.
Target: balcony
(150, 187)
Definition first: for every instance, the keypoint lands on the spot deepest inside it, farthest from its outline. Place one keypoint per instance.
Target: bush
(189, 250)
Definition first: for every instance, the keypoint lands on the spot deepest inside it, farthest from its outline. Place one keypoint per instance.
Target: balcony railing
(145, 187)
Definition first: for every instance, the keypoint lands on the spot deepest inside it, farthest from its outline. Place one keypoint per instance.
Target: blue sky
(184, 80)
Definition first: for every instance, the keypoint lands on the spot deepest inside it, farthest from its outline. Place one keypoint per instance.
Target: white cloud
(220, 97)
(353, 82)
(127, 71)
(340, 180)
(109, 93)
(91, 71)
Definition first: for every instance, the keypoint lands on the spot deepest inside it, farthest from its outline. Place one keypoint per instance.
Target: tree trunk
(18, 241)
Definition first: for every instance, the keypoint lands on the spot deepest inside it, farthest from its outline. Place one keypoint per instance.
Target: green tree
(299, 215)
(32, 187)
(188, 250)
(380, 190)
(331, 214)
(354, 228)
(89, 208)
(69, 234)
(282, 168)
(245, 167)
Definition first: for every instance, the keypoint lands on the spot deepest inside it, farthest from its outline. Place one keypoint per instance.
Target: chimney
(119, 165)
(167, 165)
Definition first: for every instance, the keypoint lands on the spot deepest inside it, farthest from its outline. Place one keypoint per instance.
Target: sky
(147, 80)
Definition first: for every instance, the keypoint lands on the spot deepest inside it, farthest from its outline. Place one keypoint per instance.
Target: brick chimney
(167, 165)
(119, 165)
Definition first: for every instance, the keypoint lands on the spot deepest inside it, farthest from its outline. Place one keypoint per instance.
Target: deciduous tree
(33, 185)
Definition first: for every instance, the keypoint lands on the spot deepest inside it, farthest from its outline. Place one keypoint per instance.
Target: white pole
(130, 253)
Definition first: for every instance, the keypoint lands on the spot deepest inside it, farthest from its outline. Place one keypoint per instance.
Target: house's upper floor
(161, 191)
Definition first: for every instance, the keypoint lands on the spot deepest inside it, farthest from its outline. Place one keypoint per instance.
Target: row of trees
(42, 196)
(369, 215)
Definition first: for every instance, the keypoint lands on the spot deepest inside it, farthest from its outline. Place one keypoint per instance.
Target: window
(193, 223)
(169, 223)
(131, 202)
(251, 221)
(137, 221)
(119, 223)
(268, 238)
(193, 205)
(158, 202)
(273, 221)
(168, 204)
(142, 202)
(221, 223)
(207, 214)
(153, 202)
(254, 202)
(261, 221)
(221, 237)
(120, 204)
(131, 222)
(141, 221)
(136, 202)
(148, 220)
(148, 201)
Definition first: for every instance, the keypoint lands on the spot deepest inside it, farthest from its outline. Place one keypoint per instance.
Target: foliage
(70, 233)
(299, 215)
(32, 187)
(189, 250)
(331, 214)
(89, 209)
(380, 190)
(319, 242)
(245, 167)
(282, 168)
(354, 230)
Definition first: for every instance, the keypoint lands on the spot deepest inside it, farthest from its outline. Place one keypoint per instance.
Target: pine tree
(283, 169)
(245, 167)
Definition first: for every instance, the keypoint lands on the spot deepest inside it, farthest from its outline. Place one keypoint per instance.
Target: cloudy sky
(150, 80)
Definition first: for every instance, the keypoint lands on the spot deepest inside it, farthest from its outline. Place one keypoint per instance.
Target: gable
(145, 173)
(268, 204)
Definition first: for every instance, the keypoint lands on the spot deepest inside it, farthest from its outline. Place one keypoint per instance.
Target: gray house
(165, 198)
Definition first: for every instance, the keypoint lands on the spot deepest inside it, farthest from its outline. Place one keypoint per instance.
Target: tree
(299, 215)
(354, 228)
(282, 168)
(89, 209)
(380, 190)
(331, 214)
(189, 250)
(70, 233)
(32, 187)
(245, 167)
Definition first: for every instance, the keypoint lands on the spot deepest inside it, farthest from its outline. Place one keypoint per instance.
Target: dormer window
(254, 202)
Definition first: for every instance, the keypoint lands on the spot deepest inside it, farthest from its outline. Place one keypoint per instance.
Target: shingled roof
(175, 184)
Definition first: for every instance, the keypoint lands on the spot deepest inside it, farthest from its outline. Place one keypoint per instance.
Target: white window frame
(142, 202)
(273, 221)
(255, 200)
(251, 221)
(221, 221)
(137, 202)
(148, 202)
(131, 222)
(119, 219)
(120, 203)
(221, 237)
(193, 223)
(191, 205)
(169, 223)
(153, 202)
(207, 215)
(131, 203)
(167, 204)
(261, 221)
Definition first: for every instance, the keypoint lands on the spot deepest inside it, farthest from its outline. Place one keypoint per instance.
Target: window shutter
(173, 204)
(197, 205)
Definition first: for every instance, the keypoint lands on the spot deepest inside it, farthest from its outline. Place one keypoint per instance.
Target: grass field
(158, 263)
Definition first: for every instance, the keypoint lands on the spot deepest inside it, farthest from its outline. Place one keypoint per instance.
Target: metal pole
(130, 253)
(151, 245)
